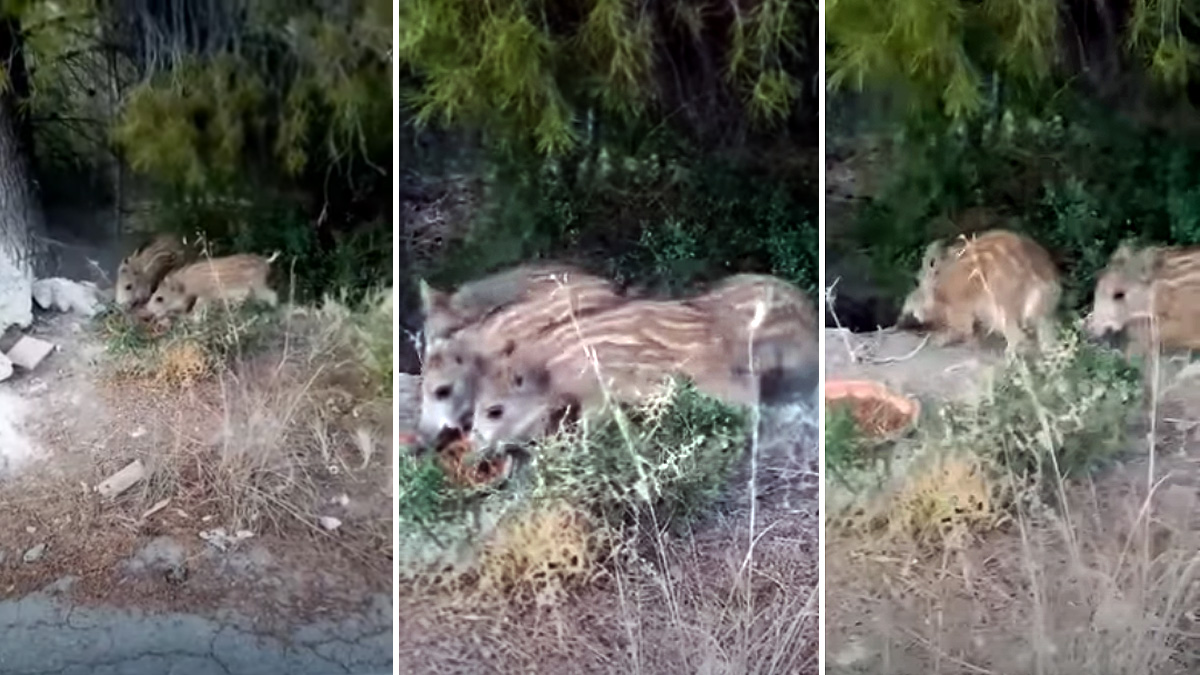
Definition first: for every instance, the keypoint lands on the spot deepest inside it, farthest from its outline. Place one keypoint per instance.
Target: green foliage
(224, 334)
(319, 91)
(843, 443)
(422, 496)
(523, 72)
(193, 125)
(1060, 415)
(1076, 178)
(660, 217)
(670, 457)
(939, 55)
(273, 139)
(237, 220)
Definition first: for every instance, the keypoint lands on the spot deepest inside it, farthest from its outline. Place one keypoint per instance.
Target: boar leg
(266, 295)
(199, 308)
(959, 327)
(1014, 336)
(1047, 333)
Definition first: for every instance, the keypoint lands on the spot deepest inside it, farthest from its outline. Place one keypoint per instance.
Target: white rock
(64, 295)
(6, 368)
(330, 523)
(28, 352)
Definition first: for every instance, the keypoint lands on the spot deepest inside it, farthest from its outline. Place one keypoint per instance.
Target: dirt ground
(1109, 586)
(65, 427)
(705, 602)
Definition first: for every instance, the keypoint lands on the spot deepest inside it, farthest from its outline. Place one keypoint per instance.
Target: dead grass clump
(182, 349)
(182, 363)
(944, 504)
(539, 554)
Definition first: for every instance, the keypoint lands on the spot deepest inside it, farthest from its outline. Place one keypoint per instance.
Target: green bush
(669, 457)
(652, 215)
(843, 444)
(236, 221)
(1061, 414)
(1076, 178)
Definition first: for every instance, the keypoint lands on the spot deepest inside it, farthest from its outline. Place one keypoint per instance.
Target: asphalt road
(40, 635)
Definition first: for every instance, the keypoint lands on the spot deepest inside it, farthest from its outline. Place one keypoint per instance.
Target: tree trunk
(20, 213)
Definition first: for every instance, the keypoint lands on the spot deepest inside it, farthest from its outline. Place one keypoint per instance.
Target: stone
(6, 368)
(29, 352)
(122, 480)
(65, 295)
(35, 554)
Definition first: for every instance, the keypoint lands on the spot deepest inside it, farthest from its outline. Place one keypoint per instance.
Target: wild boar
(624, 352)
(455, 347)
(772, 326)
(560, 287)
(232, 279)
(1147, 293)
(143, 269)
(1004, 281)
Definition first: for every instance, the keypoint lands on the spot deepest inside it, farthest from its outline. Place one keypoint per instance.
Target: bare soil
(67, 426)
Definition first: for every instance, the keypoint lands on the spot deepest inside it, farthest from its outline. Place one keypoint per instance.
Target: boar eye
(518, 380)
(129, 287)
(442, 393)
(1119, 295)
(495, 412)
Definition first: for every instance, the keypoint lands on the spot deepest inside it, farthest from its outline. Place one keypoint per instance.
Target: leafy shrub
(641, 216)
(236, 220)
(664, 461)
(1059, 415)
(1075, 177)
(843, 444)
(670, 456)
(1041, 420)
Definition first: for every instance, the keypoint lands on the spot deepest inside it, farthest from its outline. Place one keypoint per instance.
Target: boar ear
(933, 253)
(1146, 263)
(432, 300)
(1124, 253)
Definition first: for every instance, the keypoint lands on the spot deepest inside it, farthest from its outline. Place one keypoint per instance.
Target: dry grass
(1067, 574)
(690, 603)
(271, 424)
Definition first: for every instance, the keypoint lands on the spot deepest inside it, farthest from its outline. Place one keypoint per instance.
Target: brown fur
(771, 324)
(625, 351)
(527, 303)
(556, 288)
(233, 279)
(143, 270)
(1002, 280)
(1154, 283)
